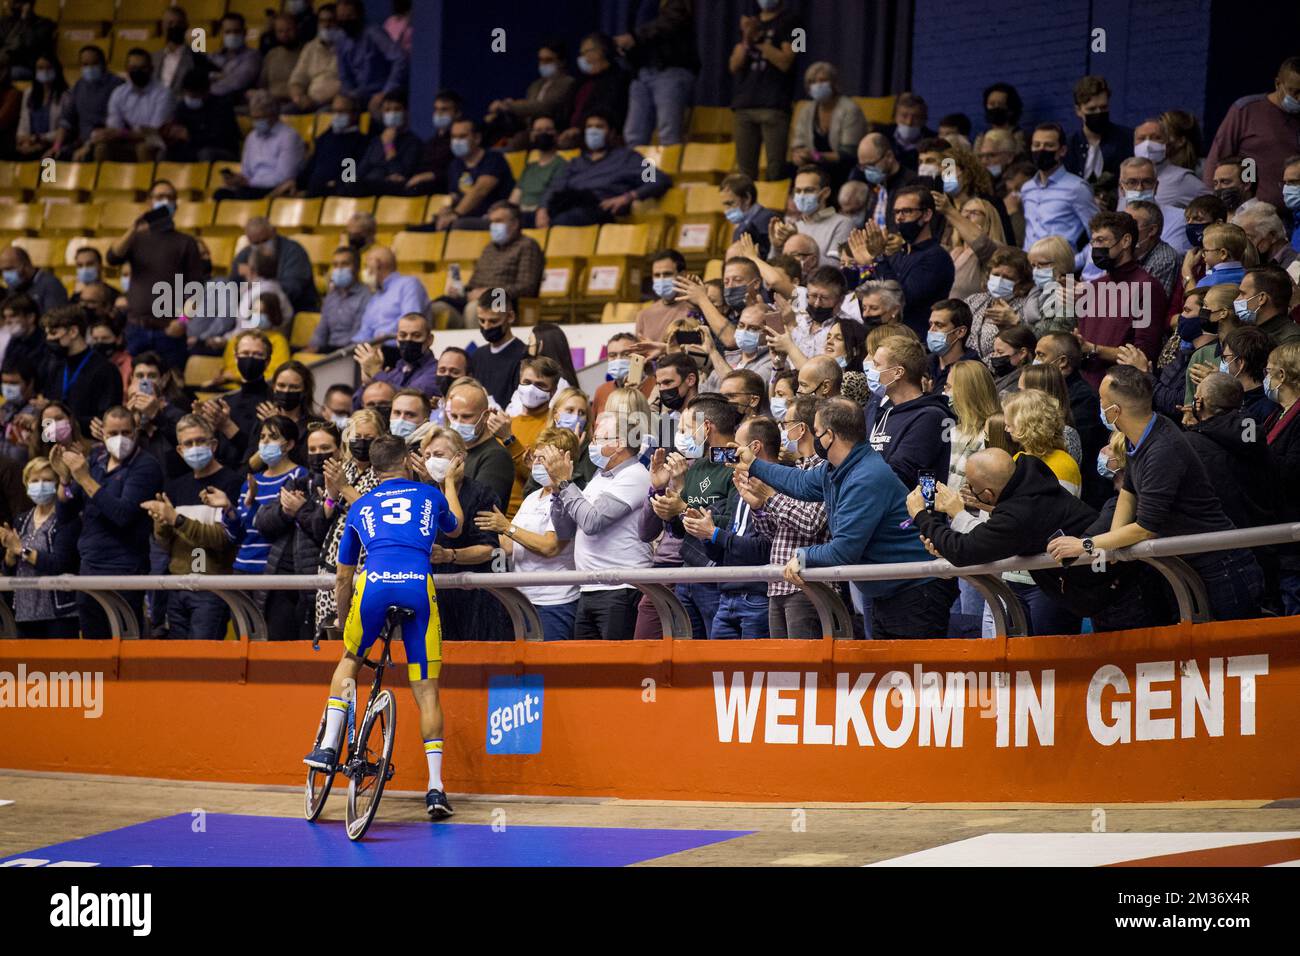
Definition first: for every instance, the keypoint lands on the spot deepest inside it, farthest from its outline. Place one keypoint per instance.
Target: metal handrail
(1161, 553)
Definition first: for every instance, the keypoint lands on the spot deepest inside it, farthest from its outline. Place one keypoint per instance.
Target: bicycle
(366, 767)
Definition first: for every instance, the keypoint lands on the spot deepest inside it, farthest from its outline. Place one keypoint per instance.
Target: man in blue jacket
(108, 488)
(866, 511)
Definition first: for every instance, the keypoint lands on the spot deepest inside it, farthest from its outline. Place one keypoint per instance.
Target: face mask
(258, 320)
(1270, 390)
(936, 342)
(821, 450)
(1150, 149)
(877, 387)
(92, 74)
(140, 78)
(161, 204)
(1000, 287)
(594, 137)
(663, 288)
(598, 458)
(807, 203)
(233, 41)
(780, 407)
(547, 70)
(1189, 327)
(735, 296)
(533, 397)
(747, 340)
(1291, 195)
(494, 334)
(271, 452)
(444, 383)
(905, 134)
(340, 421)
(500, 232)
(928, 169)
(618, 369)
(12, 392)
(401, 427)
(821, 313)
(1044, 276)
(466, 430)
(570, 420)
(342, 278)
(1231, 197)
(994, 170)
(329, 35)
(789, 444)
(997, 115)
(688, 445)
(545, 142)
(44, 76)
(56, 431)
(1000, 365)
(198, 457)
(1103, 464)
(872, 175)
(1139, 195)
(1102, 259)
(341, 123)
(394, 119)
(41, 492)
(1224, 367)
(842, 361)
(910, 231)
(12, 277)
(672, 398)
(360, 448)
(87, 274)
(950, 183)
(1110, 426)
(819, 91)
(437, 467)
(1044, 159)
(287, 400)
(193, 102)
(1097, 122)
(460, 148)
(584, 65)
(105, 349)
(1290, 104)
(410, 352)
(441, 120)
(735, 215)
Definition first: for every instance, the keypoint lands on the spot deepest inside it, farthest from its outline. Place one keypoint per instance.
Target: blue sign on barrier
(514, 714)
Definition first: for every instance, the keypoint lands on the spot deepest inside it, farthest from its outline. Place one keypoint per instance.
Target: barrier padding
(1194, 712)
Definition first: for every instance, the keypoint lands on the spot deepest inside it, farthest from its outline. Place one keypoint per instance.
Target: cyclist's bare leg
(343, 674)
(426, 697)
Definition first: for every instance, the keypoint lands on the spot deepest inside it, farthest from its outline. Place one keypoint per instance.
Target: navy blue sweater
(925, 272)
(114, 528)
(741, 548)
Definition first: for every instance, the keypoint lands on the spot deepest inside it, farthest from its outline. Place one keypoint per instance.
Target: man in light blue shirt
(273, 154)
(238, 65)
(395, 296)
(1056, 202)
(1176, 185)
(136, 111)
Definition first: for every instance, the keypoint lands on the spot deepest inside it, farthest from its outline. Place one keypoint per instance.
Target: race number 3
(399, 510)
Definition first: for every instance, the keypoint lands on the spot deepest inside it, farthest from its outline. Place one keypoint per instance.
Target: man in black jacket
(910, 428)
(1028, 507)
(1100, 145)
(1062, 350)
(79, 375)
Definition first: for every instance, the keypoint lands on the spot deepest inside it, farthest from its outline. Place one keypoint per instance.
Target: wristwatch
(511, 532)
(559, 488)
(1088, 547)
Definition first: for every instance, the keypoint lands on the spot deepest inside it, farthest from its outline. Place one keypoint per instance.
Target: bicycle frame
(385, 659)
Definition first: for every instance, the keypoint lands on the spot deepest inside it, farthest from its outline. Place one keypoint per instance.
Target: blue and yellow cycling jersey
(397, 523)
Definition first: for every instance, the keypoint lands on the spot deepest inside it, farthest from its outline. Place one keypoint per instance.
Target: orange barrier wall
(1204, 712)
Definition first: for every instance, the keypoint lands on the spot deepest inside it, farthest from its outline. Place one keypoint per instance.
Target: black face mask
(821, 313)
(1102, 259)
(105, 349)
(672, 398)
(1000, 365)
(176, 34)
(997, 115)
(818, 447)
(1231, 197)
(1044, 159)
(251, 368)
(317, 462)
(287, 400)
(57, 349)
(544, 142)
(444, 383)
(140, 78)
(1195, 232)
(910, 230)
(494, 334)
(360, 448)
(410, 352)
(1097, 122)
(385, 411)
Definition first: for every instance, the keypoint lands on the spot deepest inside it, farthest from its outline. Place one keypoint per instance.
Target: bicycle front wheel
(373, 755)
(318, 781)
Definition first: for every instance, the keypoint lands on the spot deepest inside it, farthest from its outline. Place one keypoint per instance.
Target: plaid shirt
(515, 267)
(791, 524)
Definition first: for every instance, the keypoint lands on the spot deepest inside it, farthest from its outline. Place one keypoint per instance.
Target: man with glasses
(922, 267)
(879, 168)
(1245, 356)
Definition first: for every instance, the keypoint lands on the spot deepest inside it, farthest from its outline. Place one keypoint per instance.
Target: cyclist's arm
(343, 590)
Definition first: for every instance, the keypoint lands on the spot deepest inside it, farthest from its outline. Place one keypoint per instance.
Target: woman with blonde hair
(976, 233)
(1048, 378)
(571, 411)
(1036, 423)
(42, 542)
(973, 398)
(1051, 262)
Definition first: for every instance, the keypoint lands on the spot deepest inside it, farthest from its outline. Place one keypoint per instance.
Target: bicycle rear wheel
(318, 781)
(373, 756)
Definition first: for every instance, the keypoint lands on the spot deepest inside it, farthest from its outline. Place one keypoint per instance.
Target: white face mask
(120, 446)
(437, 467)
(541, 475)
(533, 397)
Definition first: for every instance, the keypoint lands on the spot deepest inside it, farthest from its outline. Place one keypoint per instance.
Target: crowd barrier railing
(1164, 554)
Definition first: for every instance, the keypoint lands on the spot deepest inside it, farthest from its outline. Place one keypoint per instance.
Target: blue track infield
(240, 840)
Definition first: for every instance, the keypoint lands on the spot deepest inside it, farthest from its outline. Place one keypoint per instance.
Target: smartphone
(927, 481)
(689, 338)
(1058, 533)
(635, 370)
(723, 456)
(155, 216)
(391, 355)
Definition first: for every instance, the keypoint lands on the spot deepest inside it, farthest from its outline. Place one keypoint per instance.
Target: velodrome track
(81, 819)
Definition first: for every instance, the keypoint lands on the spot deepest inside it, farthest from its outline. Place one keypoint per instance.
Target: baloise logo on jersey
(514, 714)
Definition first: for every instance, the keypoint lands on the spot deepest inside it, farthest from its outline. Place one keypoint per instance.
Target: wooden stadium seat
(201, 10)
(44, 253)
(713, 270)
(697, 238)
(435, 284)
(567, 251)
(465, 245)
(319, 247)
(77, 243)
(576, 241)
(134, 31)
(123, 180)
(202, 368)
(88, 10)
(70, 219)
(304, 124)
(401, 211)
(188, 178)
(667, 158)
(710, 124)
(71, 178)
(673, 202)
(419, 248)
(48, 9)
(222, 250)
(703, 200)
(615, 271)
(18, 179)
(295, 214)
(773, 193)
(620, 312)
(117, 58)
(304, 324)
(233, 214)
(877, 109)
(707, 161)
(537, 235)
(118, 216)
(251, 9)
(337, 210)
(517, 159)
(193, 216)
(69, 50)
(18, 218)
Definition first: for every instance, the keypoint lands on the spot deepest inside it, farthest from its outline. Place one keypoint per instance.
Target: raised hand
(291, 501)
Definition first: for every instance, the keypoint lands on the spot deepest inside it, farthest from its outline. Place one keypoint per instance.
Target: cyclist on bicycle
(396, 523)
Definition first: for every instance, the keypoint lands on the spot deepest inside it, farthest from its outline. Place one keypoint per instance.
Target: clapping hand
(334, 478)
(370, 358)
(498, 424)
(559, 465)
(9, 538)
(161, 510)
(699, 523)
(667, 507)
(291, 501)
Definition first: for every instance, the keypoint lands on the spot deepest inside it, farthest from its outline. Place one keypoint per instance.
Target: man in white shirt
(830, 230)
(603, 520)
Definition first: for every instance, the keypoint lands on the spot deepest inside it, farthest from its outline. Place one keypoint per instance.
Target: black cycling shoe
(322, 758)
(436, 805)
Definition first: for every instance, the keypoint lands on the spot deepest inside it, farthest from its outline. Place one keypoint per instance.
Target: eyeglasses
(902, 212)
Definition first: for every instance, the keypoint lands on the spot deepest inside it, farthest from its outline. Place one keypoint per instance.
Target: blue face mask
(394, 119)
(41, 492)
(262, 126)
(92, 74)
(877, 387)
(598, 458)
(342, 278)
(1270, 390)
(541, 475)
(441, 120)
(1000, 287)
(585, 65)
(936, 342)
(1223, 367)
(233, 41)
(842, 361)
(547, 70)
(806, 203)
(735, 215)
(500, 232)
(12, 277)
(198, 457)
(1245, 315)
(873, 175)
(1042, 276)
(1291, 195)
(780, 407)
(594, 137)
(1290, 104)
(401, 427)
(87, 274)
(789, 444)
(618, 369)
(951, 185)
(271, 452)
(819, 91)
(466, 430)
(570, 420)
(341, 123)
(747, 340)
(663, 288)
(193, 102)
(1110, 426)
(688, 445)
(460, 148)
(1139, 195)
(1103, 464)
